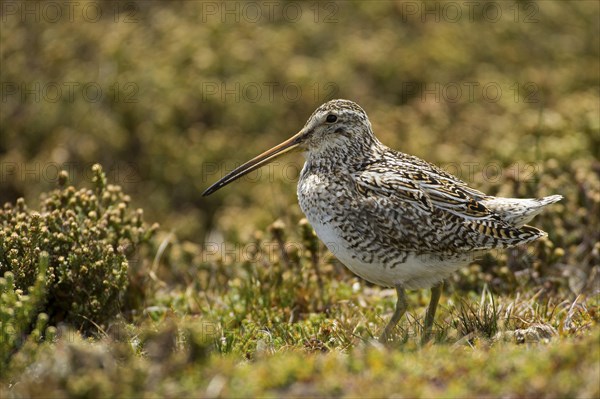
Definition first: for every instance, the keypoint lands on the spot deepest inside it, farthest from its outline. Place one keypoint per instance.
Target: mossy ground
(233, 295)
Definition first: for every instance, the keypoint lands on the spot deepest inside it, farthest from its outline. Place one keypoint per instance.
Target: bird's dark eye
(331, 118)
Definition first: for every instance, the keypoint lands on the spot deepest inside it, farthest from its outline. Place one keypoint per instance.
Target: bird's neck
(344, 156)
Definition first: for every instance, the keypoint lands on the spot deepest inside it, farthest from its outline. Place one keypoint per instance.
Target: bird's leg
(401, 306)
(436, 292)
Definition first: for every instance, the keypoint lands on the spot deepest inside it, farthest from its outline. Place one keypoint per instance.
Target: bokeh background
(170, 96)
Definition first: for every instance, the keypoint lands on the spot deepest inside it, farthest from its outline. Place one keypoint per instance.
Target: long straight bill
(255, 163)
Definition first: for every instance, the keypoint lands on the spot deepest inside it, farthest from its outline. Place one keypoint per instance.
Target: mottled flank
(392, 218)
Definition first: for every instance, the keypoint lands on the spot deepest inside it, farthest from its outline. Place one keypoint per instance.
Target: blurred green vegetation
(159, 129)
(234, 295)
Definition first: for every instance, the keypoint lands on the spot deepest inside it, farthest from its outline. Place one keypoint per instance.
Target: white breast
(418, 271)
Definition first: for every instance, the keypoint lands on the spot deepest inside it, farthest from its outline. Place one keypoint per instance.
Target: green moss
(75, 367)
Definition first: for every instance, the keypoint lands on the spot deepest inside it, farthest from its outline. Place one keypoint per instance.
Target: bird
(392, 218)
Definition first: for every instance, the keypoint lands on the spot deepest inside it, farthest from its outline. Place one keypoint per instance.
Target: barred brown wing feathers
(499, 234)
(421, 189)
(394, 186)
(456, 218)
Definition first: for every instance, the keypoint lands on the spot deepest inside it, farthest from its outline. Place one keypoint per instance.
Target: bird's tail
(518, 211)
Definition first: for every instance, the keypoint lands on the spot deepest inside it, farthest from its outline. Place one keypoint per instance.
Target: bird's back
(431, 195)
(397, 212)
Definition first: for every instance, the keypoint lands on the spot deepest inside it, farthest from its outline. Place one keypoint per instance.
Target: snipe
(392, 218)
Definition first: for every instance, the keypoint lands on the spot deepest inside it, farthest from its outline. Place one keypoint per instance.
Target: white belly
(418, 271)
(412, 270)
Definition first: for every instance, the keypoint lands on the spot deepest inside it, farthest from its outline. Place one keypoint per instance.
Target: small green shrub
(18, 310)
(88, 235)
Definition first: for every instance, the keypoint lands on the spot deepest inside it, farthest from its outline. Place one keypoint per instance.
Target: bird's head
(336, 126)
